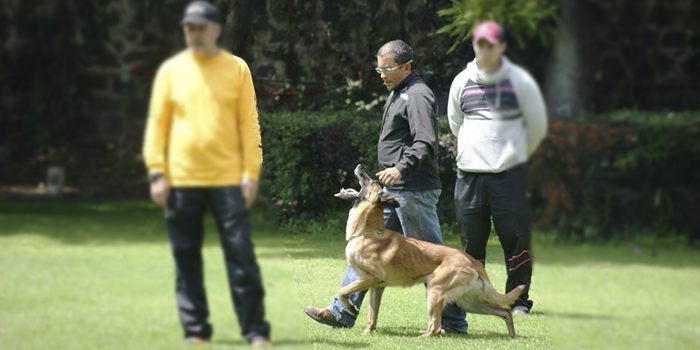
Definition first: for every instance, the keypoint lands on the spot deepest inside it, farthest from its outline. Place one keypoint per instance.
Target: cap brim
(491, 40)
(198, 20)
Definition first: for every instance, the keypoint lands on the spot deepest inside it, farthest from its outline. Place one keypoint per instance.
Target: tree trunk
(364, 73)
(401, 6)
(238, 20)
(569, 76)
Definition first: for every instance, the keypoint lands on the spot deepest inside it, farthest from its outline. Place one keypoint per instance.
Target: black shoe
(323, 316)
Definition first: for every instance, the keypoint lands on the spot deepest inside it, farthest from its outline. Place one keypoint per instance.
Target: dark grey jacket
(408, 139)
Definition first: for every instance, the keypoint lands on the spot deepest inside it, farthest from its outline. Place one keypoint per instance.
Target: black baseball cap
(200, 13)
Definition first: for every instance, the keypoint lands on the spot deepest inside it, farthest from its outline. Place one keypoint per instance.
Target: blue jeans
(416, 219)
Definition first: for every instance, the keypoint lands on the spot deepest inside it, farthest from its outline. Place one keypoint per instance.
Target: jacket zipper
(392, 98)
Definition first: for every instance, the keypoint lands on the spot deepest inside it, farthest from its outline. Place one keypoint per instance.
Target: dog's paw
(431, 333)
(349, 307)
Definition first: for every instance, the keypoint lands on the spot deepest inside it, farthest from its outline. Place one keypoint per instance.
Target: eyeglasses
(191, 27)
(381, 70)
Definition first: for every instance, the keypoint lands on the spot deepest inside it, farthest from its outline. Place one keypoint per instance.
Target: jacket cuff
(252, 174)
(402, 168)
(157, 168)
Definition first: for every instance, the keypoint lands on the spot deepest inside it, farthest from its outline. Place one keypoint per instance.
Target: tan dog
(383, 258)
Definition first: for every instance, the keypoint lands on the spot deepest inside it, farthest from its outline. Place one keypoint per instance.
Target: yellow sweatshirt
(202, 125)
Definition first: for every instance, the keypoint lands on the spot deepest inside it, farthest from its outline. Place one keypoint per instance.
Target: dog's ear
(348, 194)
(391, 199)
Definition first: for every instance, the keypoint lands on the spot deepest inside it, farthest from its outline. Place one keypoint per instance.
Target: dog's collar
(364, 233)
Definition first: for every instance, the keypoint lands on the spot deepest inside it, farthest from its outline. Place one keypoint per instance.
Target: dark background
(621, 79)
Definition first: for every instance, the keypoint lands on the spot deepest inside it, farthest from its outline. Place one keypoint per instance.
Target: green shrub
(602, 177)
(599, 178)
(617, 174)
(309, 156)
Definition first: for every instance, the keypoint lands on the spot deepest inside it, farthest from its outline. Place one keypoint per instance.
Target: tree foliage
(523, 19)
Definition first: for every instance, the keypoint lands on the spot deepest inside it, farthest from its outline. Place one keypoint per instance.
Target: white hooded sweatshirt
(499, 119)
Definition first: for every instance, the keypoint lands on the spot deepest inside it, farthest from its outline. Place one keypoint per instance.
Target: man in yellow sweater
(202, 150)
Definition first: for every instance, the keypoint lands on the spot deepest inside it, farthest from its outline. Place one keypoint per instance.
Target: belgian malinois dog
(384, 258)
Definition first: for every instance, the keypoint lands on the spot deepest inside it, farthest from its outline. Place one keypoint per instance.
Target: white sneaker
(520, 310)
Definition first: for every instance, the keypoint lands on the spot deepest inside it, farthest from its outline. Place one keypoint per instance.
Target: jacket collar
(408, 80)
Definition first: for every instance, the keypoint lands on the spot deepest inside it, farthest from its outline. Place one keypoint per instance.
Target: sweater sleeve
(158, 124)
(454, 107)
(534, 111)
(249, 127)
(422, 122)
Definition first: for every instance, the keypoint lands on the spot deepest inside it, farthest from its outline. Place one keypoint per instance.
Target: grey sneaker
(520, 310)
(260, 342)
(195, 340)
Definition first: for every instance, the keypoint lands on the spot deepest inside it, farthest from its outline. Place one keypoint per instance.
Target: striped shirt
(499, 118)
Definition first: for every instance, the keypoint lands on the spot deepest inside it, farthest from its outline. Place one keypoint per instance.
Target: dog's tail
(494, 297)
(506, 300)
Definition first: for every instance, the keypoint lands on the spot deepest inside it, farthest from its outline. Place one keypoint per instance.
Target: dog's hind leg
(375, 299)
(436, 303)
(505, 315)
(508, 317)
(361, 284)
(484, 309)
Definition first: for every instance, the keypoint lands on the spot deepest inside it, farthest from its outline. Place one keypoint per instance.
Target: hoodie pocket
(478, 147)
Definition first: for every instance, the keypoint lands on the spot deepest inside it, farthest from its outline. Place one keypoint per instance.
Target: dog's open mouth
(362, 176)
(364, 180)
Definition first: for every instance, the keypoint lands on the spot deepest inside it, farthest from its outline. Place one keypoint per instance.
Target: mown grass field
(100, 276)
(634, 294)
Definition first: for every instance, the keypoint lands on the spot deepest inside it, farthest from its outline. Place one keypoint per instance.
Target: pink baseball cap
(490, 31)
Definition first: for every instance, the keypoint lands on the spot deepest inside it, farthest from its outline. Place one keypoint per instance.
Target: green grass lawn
(586, 297)
(319, 265)
(619, 297)
(100, 276)
(81, 276)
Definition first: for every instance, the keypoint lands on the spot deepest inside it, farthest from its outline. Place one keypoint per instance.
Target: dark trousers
(503, 197)
(185, 222)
